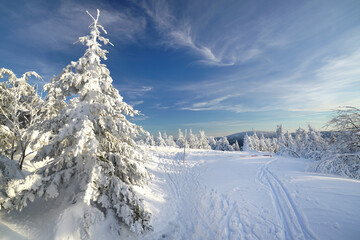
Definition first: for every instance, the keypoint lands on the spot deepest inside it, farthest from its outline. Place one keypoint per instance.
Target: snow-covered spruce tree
(20, 110)
(160, 141)
(170, 141)
(192, 140)
(164, 136)
(236, 146)
(180, 141)
(92, 148)
(255, 142)
(247, 143)
(263, 147)
(212, 142)
(203, 141)
(150, 140)
(223, 145)
(315, 145)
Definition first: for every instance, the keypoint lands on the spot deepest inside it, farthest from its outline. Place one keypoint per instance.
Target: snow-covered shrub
(343, 164)
(91, 147)
(20, 111)
(343, 153)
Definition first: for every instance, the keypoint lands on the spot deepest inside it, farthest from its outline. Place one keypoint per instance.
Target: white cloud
(178, 33)
(334, 83)
(133, 90)
(160, 106)
(136, 103)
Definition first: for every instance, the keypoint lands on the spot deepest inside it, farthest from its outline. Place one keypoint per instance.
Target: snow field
(213, 195)
(236, 195)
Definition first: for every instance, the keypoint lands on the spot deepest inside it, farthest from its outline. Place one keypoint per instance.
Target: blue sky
(219, 66)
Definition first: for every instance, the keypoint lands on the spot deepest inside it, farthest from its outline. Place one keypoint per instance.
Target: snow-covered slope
(237, 195)
(221, 195)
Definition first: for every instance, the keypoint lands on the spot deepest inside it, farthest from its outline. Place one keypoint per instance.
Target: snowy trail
(292, 219)
(202, 212)
(237, 195)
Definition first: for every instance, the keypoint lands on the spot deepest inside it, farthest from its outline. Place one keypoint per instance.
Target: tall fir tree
(92, 147)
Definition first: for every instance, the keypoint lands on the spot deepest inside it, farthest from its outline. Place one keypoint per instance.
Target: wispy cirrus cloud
(177, 33)
(236, 32)
(134, 91)
(333, 83)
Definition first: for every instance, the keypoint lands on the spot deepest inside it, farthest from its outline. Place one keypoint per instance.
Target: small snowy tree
(203, 141)
(150, 140)
(192, 140)
(160, 141)
(287, 145)
(263, 147)
(223, 145)
(170, 141)
(246, 144)
(181, 141)
(315, 145)
(92, 148)
(236, 146)
(212, 142)
(20, 108)
(255, 142)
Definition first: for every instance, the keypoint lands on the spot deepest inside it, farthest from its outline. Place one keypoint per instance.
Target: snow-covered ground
(236, 195)
(223, 195)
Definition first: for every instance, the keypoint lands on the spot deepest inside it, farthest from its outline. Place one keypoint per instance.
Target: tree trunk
(12, 150)
(22, 157)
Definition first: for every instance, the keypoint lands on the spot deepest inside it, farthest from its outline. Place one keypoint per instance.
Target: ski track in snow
(207, 214)
(292, 219)
(202, 213)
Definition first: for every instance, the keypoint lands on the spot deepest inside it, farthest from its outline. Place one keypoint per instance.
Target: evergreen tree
(170, 141)
(247, 143)
(160, 141)
(315, 145)
(255, 142)
(192, 140)
(181, 141)
(203, 141)
(92, 148)
(150, 140)
(262, 144)
(236, 146)
(223, 145)
(212, 142)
